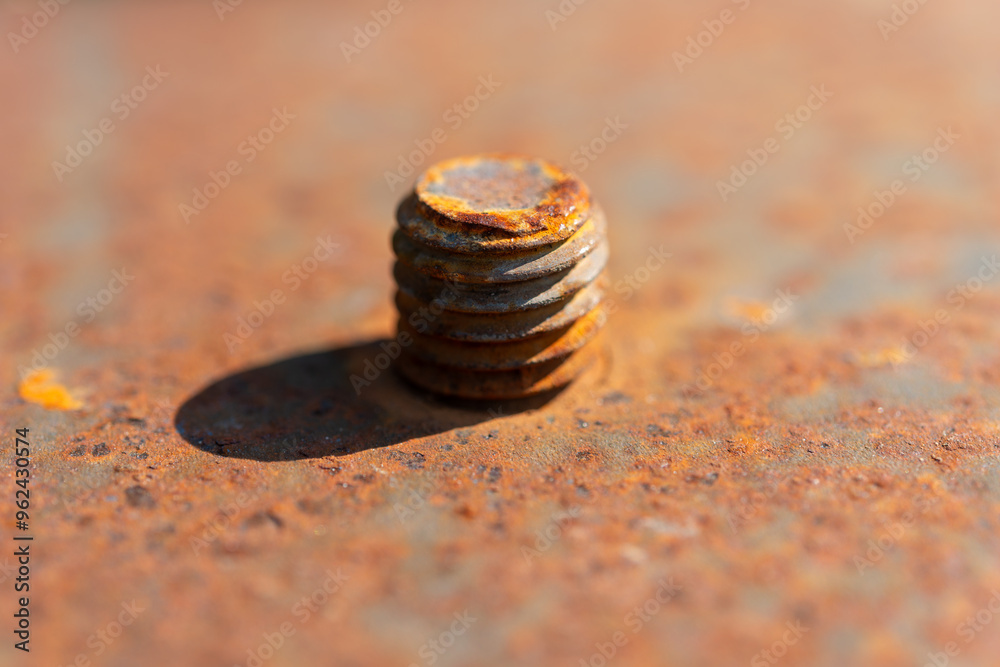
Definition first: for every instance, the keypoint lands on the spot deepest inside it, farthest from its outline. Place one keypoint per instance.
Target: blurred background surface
(788, 454)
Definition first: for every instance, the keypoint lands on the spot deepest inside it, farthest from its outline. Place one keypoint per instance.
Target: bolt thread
(500, 273)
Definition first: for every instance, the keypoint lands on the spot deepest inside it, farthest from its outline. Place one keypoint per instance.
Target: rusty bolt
(500, 273)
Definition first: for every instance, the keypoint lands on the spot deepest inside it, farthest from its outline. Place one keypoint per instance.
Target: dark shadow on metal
(331, 403)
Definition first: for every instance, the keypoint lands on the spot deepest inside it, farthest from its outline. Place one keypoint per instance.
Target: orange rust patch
(751, 311)
(893, 356)
(514, 194)
(40, 387)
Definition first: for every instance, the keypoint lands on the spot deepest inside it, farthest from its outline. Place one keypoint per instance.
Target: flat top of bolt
(517, 195)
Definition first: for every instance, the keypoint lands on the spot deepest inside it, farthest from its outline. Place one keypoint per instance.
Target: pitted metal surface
(790, 432)
(517, 195)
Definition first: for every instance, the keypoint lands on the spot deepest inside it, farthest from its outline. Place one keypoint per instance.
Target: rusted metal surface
(769, 422)
(546, 243)
(517, 195)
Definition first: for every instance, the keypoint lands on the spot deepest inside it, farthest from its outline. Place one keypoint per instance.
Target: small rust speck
(140, 497)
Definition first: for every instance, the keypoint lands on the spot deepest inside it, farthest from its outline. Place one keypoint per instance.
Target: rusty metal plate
(786, 454)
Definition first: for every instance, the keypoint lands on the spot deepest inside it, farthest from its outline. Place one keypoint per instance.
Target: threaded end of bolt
(500, 273)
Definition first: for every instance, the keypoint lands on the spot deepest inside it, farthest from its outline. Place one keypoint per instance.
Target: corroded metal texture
(511, 266)
(517, 195)
(785, 454)
(492, 252)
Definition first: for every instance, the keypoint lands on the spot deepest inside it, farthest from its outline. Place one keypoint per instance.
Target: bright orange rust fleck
(40, 387)
(743, 444)
(891, 355)
(752, 311)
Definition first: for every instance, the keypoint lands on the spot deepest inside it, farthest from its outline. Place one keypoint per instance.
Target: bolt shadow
(323, 404)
